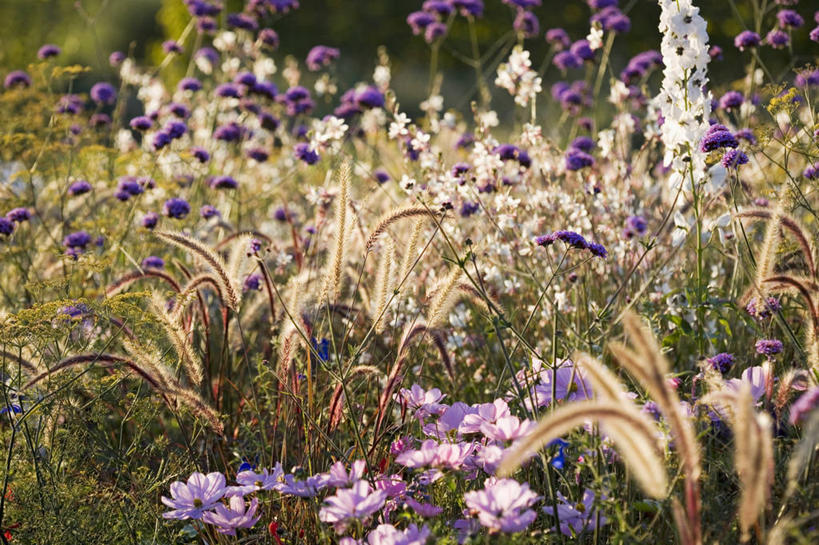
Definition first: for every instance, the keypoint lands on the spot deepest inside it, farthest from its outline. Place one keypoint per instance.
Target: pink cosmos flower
(757, 377)
(387, 534)
(487, 412)
(431, 453)
(250, 481)
(507, 428)
(356, 503)
(338, 476)
(233, 516)
(191, 500)
(450, 420)
(426, 510)
(421, 457)
(307, 488)
(503, 505)
(423, 402)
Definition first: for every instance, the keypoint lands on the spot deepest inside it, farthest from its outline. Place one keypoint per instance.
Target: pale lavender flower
(426, 510)
(570, 384)
(421, 457)
(576, 517)
(306, 488)
(191, 500)
(757, 377)
(449, 421)
(806, 403)
(487, 413)
(503, 505)
(339, 477)
(507, 428)
(387, 534)
(356, 503)
(265, 480)
(423, 402)
(233, 516)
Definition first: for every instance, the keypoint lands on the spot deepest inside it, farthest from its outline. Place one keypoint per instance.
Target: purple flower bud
(381, 176)
(420, 20)
(153, 262)
(527, 24)
(79, 187)
(321, 56)
(441, 7)
(161, 139)
(18, 215)
(78, 239)
(223, 182)
(636, 226)
(116, 58)
(103, 93)
(17, 78)
(778, 39)
(207, 211)
(717, 136)
(141, 123)
(746, 39)
(150, 220)
(269, 38)
(253, 282)
(722, 362)
(466, 8)
(566, 60)
(731, 100)
(577, 159)
(302, 151)
(583, 50)
(189, 84)
(176, 208)
(558, 38)
(788, 18)
(370, 97)
(6, 226)
(469, 208)
(243, 21)
(201, 154)
(434, 31)
(768, 347)
(747, 135)
(228, 90)
(171, 46)
(734, 158)
(47, 51)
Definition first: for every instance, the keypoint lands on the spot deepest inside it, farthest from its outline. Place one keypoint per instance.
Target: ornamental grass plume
(649, 366)
(444, 299)
(753, 452)
(333, 278)
(212, 259)
(187, 356)
(391, 217)
(631, 431)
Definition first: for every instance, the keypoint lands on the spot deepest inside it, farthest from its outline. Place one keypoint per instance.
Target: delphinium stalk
(685, 105)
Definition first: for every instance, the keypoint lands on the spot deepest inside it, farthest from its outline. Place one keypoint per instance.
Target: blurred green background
(88, 30)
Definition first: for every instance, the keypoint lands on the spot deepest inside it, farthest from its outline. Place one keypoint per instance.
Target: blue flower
(322, 348)
(559, 460)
